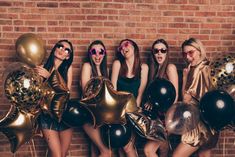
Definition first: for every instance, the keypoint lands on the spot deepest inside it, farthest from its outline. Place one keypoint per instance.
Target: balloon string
(47, 152)
(224, 146)
(110, 153)
(34, 148)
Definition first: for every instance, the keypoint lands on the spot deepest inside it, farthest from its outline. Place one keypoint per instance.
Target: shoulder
(116, 64)
(171, 67)
(144, 67)
(86, 66)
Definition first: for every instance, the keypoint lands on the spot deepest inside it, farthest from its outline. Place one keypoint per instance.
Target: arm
(70, 77)
(115, 72)
(173, 78)
(85, 75)
(143, 83)
(43, 72)
(186, 96)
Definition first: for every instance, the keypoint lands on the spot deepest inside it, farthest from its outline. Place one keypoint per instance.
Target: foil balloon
(55, 96)
(22, 86)
(76, 114)
(147, 128)
(19, 127)
(109, 106)
(115, 135)
(181, 118)
(93, 86)
(223, 72)
(217, 109)
(30, 49)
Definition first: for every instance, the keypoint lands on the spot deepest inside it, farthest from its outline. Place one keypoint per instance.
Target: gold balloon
(19, 127)
(55, 96)
(30, 49)
(22, 86)
(109, 106)
(147, 128)
(223, 72)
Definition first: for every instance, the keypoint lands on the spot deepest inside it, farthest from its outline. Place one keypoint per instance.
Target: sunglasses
(96, 52)
(190, 53)
(162, 50)
(61, 47)
(124, 44)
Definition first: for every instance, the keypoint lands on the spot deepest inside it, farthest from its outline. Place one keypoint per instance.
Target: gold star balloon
(56, 95)
(19, 127)
(107, 105)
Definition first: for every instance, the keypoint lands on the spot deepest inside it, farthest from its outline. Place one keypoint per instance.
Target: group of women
(130, 74)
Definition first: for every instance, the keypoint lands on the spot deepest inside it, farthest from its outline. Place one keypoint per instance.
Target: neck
(196, 62)
(57, 62)
(98, 70)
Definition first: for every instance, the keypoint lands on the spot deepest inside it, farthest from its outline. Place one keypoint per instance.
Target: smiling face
(160, 52)
(191, 55)
(97, 53)
(63, 51)
(127, 49)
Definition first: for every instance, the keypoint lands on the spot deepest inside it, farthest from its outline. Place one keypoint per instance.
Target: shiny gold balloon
(223, 71)
(148, 128)
(109, 106)
(30, 49)
(22, 86)
(19, 127)
(55, 96)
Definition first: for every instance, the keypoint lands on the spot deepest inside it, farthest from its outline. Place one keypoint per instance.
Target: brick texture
(82, 21)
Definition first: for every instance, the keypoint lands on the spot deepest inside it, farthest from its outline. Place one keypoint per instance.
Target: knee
(129, 148)
(147, 150)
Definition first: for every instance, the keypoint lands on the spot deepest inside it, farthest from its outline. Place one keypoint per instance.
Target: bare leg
(150, 148)
(164, 149)
(53, 141)
(130, 149)
(94, 135)
(184, 150)
(65, 139)
(205, 153)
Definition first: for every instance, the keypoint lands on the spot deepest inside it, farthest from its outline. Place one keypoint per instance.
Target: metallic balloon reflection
(223, 72)
(30, 49)
(181, 118)
(19, 127)
(22, 86)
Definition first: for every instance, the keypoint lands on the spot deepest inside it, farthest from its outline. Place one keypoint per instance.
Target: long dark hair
(103, 65)
(137, 63)
(160, 72)
(64, 66)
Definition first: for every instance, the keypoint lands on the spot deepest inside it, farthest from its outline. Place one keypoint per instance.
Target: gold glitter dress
(198, 83)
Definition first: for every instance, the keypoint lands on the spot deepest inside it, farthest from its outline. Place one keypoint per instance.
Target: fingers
(147, 106)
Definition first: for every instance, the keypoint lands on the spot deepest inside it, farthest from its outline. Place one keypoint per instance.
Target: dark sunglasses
(190, 53)
(96, 52)
(61, 47)
(156, 51)
(124, 44)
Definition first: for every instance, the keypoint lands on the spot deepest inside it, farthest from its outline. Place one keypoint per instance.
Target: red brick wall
(82, 21)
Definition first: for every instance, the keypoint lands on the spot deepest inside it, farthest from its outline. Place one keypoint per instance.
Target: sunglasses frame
(190, 53)
(59, 45)
(156, 51)
(102, 52)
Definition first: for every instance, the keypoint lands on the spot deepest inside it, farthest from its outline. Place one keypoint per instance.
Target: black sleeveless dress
(130, 85)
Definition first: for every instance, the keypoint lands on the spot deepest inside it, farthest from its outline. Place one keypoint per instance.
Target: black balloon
(161, 94)
(115, 135)
(76, 114)
(217, 109)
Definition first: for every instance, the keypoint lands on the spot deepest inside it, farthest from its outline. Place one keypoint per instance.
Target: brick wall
(82, 21)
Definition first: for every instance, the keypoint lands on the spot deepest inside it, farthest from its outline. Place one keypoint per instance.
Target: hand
(148, 106)
(187, 98)
(42, 72)
(185, 72)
